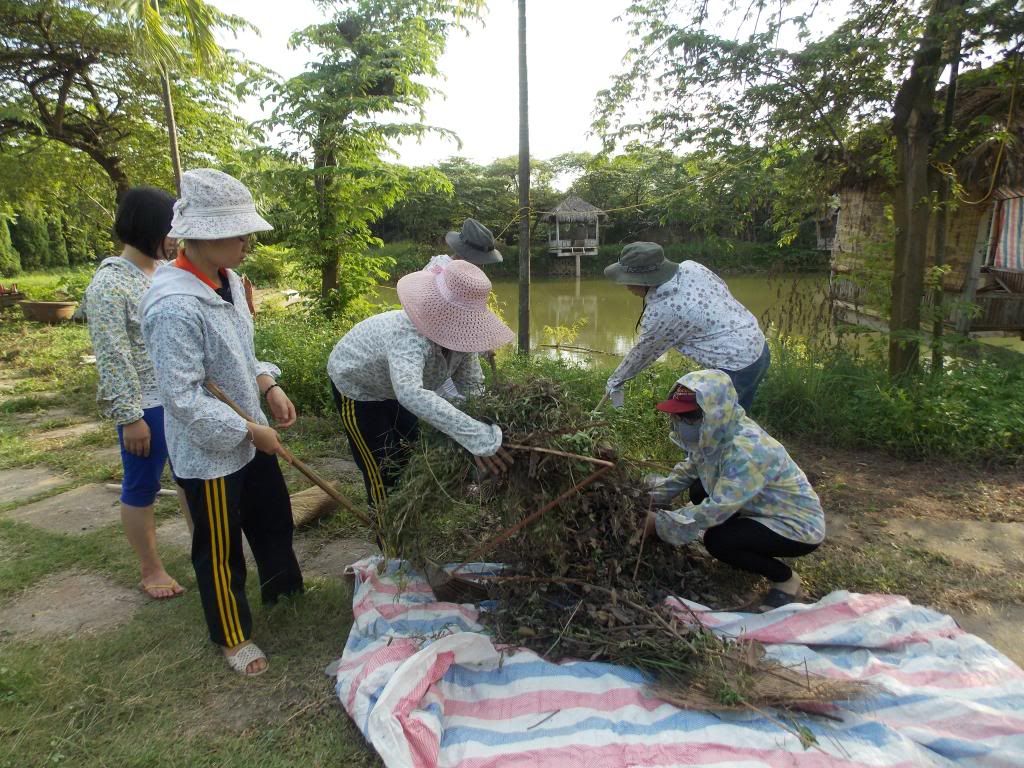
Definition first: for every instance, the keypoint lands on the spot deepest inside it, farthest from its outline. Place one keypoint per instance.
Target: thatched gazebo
(985, 242)
(574, 231)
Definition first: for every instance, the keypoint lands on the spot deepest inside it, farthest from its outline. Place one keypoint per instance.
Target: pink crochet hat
(448, 305)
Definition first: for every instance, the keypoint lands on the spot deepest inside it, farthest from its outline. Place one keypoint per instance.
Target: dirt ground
(876, 484)
(972, 518)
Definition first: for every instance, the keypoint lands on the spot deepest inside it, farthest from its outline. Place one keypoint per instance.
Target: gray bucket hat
(474, 243)
(214, 205)
(641, 264)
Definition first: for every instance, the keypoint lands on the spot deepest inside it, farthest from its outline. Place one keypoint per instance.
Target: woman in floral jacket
(127, 388)
(759, 505)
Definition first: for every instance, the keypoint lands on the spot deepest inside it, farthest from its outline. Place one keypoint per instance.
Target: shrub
(299, 343)
(730, 256)
(972, 412)
(31, 238)
(407, 256)
(10, 259)
(267, 265)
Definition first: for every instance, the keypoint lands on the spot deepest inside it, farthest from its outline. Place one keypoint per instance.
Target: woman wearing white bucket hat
(198, 328)
(384, 373)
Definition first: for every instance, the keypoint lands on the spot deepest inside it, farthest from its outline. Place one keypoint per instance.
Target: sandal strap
(245, 656)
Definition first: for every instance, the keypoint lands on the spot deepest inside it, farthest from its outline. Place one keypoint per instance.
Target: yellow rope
(1002, 144)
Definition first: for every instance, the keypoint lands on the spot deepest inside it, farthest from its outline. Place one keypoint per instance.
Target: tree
(914, 124)
(70, 73)
(10, 259)
(487, 193)
(30, 237)
(363, 90)
(58, 250)
(190, 45)
(884, 60)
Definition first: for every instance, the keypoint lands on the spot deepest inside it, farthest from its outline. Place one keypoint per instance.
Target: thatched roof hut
(985, 242)
(574, 209)
(574, 230)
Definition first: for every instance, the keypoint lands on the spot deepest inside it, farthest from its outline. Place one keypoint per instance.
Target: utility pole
(524, 190)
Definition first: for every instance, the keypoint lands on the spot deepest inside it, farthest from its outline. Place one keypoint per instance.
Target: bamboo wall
(865, 233)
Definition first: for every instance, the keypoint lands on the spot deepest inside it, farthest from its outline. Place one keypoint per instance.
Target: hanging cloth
(1008, 233)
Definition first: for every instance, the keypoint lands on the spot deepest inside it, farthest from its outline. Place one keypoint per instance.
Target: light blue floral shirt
(127, 384)
(745, 471)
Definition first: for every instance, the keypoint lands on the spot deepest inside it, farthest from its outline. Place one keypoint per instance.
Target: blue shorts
(142, 474)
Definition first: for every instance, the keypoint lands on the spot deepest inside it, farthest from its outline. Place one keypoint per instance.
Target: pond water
(786, 303)
(790, 302)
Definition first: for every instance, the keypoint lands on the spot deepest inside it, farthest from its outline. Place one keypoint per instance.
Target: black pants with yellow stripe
(254, 501)
(380, 434)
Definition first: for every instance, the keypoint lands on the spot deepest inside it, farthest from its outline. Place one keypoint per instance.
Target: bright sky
(574, 49)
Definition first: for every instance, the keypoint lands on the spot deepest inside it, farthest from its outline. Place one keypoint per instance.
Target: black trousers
(750, 546)
(697, 492)
(380, 434)
(254, 501)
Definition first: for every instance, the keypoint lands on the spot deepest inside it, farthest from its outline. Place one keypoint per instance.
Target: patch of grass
(26, 404)
(55, 284)
(50, 357)
(151, 694)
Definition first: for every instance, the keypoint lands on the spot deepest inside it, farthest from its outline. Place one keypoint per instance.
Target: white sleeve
(406, 359)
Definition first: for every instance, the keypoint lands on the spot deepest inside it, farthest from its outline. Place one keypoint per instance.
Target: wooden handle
(600, 403)
(290, 458)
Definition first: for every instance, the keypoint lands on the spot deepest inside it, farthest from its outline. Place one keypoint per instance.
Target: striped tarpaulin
(427, 687)
(1009, 234)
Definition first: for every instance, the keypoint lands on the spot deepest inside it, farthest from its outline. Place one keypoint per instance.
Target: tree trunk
(913, 126)
(946, 193)
(111, 165)
(524, 190)
(323, 182)
(328, 278)
(172, 127)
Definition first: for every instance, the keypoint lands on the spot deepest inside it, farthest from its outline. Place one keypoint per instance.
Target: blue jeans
(746, 380)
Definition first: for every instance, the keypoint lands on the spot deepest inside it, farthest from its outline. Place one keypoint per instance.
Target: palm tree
(524, 190)
(163, 52)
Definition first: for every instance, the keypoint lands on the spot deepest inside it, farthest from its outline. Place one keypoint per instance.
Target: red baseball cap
(681, 401)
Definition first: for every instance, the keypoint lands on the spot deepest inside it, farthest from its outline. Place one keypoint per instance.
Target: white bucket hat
(214, 205)
(448, 305)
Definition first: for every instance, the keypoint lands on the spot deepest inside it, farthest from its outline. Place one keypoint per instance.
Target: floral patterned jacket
(111, 307)
(385, 358)
(695, 313)
(194, 336)
(744, 470)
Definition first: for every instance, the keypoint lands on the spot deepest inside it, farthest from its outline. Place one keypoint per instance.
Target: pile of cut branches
(581, 582)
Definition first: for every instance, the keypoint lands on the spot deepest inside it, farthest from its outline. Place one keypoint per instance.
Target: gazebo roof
(573, 209)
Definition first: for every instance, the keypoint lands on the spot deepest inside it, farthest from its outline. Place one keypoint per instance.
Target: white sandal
(243, 657)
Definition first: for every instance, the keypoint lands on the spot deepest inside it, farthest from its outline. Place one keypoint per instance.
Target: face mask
(685, 435)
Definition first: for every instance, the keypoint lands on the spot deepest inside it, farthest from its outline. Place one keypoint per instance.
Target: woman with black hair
(127, 390)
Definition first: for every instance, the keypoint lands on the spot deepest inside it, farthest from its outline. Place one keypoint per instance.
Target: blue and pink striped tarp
(427, 687)
(1008, 234)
